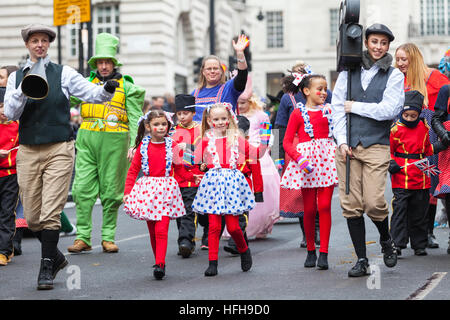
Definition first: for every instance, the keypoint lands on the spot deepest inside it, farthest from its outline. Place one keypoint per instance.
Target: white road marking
(423, 291)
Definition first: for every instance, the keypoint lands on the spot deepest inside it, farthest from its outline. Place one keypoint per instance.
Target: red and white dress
(314, 130)
(157, 193)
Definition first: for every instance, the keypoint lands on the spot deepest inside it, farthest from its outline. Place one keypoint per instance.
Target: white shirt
(72, 84)
(388, 109)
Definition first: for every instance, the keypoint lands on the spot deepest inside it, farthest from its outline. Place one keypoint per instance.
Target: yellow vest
(110, 116)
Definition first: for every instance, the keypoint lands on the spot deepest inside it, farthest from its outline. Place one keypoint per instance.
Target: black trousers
(187, 223)
(9, 195)
(409, 218)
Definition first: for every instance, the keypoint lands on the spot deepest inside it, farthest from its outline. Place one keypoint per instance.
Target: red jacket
(9, 138)
(192, 137)
(406, 140)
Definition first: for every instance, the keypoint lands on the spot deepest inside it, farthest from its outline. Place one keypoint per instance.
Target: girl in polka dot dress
(155, 197)
(224, 190)
(313, 170)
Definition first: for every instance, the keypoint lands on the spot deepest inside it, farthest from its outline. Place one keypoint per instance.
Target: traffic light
(197, 66)
(349, 42)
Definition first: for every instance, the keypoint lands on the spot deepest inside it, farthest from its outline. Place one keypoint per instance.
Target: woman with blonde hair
(212, 85)
(418, 76)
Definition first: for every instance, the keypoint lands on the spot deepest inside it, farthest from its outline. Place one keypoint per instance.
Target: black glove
(259, 197)
(111, 85)
(438, 146)
(393, 167)
(439, 117)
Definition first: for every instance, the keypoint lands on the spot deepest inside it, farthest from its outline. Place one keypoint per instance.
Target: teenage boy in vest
(105, 140)
(377, 99)
(46, 154)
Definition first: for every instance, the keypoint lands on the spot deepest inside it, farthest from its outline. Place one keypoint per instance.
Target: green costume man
(104, 147)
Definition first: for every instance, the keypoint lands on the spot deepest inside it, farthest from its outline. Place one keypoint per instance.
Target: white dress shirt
(72, 84)
(388, 108)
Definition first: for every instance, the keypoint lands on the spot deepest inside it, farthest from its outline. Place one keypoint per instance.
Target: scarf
(383, 63)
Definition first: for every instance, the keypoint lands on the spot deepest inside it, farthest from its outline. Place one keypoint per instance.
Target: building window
(105, 18)
(334, 26)
(435, 17)
(275, 38)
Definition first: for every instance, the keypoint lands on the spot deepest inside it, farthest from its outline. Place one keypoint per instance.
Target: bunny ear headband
(298, 77)
(145, 117)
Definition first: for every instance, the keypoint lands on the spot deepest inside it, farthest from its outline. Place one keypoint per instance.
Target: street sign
(71, 11)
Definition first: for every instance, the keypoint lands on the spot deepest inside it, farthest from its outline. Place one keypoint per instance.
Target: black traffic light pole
(349, 56)
(212, 28)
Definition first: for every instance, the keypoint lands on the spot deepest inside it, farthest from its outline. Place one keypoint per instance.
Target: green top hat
(105, 48)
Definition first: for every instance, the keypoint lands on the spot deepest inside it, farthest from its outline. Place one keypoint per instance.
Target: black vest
(47, 120)
(364, 130)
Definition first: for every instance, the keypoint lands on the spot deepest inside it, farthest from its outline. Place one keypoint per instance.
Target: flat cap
(379, 28)
(35, 28)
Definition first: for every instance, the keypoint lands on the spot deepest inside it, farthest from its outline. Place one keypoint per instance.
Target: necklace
(326, 112)
(212, 150)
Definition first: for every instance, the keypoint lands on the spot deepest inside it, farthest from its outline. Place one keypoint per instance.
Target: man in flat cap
(105, 138)
(378, 95)
(46, 153)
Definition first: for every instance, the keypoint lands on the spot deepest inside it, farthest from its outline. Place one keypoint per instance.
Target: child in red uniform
(187, 135)
(313, 170)
(9, 188)
(155, 197)
(410, 142)
(251, 168)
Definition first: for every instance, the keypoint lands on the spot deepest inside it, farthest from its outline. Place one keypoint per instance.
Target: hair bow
(298, 77)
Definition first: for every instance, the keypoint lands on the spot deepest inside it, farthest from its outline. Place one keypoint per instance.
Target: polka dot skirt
(321, 153)
(154, 197)
(223, 191)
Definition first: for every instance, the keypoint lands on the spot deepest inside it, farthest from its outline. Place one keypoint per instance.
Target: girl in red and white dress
(155, 197)
(313, 170)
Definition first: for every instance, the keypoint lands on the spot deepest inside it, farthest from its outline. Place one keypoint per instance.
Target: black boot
(322, 262)
(159, 271)
(246, 260)
(389, 253)
(311, 258)
(45, 278)
(59, 261)
(303, 243)
(360, 268)
(212, 269)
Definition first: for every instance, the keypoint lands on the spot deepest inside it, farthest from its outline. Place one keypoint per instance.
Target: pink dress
(262, 218)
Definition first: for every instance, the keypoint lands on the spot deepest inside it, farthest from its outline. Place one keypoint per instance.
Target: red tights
(317, 199)
(158, 238)
(215, 226)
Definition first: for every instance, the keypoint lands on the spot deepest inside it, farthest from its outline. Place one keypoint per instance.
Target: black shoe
(186, 249)
(160, 271)
(59, 263)
(322, 262)
(360, 268)
(389, 253)
(399, 252)
(432, 243)
(311, 258)
(246, 260)
(420, 252)
(212, 269)
(17, 241)
(45, 278)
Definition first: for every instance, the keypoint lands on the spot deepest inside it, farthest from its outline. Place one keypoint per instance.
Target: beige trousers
(44, 173)
(368, 174)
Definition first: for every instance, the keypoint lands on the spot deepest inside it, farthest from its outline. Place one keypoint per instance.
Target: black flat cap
(379, 28)
(185, 102)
